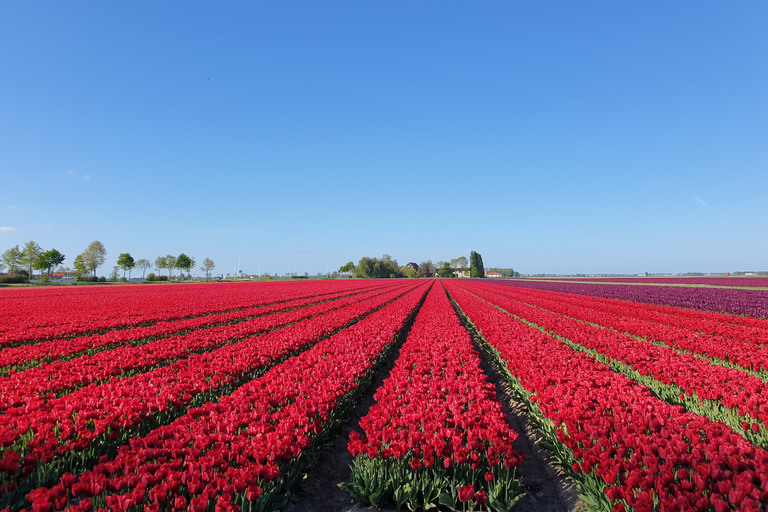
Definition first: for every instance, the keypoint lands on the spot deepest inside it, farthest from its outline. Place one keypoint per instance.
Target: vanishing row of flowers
(437, 434)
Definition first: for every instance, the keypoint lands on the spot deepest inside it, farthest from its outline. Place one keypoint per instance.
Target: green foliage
(29, 255)
(94, 256)
(377, 268)
(126, 262)
(184, 262)
(445, 270)
(102, 279)
(143, 264)
(347, 267)
(86, 279)
(476, 265)
(151, 276)
(426, 269)
(14, 279)
(208, 265)
(11, 258)
(48, 260)
(378, 482)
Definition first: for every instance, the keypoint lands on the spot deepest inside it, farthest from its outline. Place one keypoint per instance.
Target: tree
(94, 255)
(80, 266)
(29, 255)
(184, 262)
(48, 260)
(476, 265)
(143, 264)
(445, 270)
(347, 267)
(426, 269)
(170, 264)
(126, 262)
(115, 275)
(12, 259)
(208, 265)
(377, 268)
(161, 263)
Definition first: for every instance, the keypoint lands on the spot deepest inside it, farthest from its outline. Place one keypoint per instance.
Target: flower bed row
(35, 387)
(47, 313)
(249, 449)
(78, 427)
(437, 434)
(723, 394)
(22, 357)
(623, 446)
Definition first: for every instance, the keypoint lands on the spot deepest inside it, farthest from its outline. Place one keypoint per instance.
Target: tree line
(387, 267)
(21, 262)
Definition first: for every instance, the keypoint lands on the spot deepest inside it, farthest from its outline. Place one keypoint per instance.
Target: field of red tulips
(222, 396)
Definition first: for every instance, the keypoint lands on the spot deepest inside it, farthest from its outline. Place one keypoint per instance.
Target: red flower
(466, 493)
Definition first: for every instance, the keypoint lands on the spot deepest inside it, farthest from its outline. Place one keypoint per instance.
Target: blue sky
(558, 137)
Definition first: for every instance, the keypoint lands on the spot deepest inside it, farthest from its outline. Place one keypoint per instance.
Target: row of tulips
(722, 394)
(31, 314)
(75, 429)
(13, 359)
(678, 320)
(249, 449)
(35, 387)
(437, 434)
(624, 447)
(752, 303)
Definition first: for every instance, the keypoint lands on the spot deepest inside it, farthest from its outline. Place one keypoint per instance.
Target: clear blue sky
(560, 137)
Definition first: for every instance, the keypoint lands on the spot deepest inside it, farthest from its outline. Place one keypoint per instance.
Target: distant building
(460, 271)
(492, 274)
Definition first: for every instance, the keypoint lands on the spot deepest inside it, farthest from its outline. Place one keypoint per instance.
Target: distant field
(706, 281)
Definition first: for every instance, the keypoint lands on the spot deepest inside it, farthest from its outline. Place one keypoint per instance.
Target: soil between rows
(549, 489)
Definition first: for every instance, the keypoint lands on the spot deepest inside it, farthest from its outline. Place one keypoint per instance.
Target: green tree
(208, 265)
(48, 260)
(347, 267)
(80, 267)
(184, 262)
(445, 270)
(29, 255)
(377, 268)
(170, 262)
(12, 259)
(126, 262)
(476, 265)
(143, 264)
(94, 255)
(161, 263)
(426, 269)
